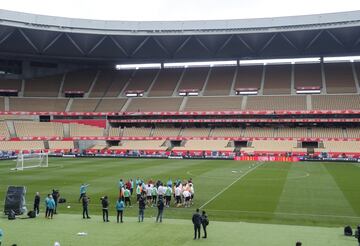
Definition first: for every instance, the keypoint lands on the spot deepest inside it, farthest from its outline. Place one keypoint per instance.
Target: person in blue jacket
(51, 207)
(120, 206)
(83, 190)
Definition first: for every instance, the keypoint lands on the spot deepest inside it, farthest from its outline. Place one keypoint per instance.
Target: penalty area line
(227, 187)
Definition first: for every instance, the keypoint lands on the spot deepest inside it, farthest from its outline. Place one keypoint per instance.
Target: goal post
(32, 160)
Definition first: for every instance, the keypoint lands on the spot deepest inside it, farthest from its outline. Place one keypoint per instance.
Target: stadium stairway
(11, 128)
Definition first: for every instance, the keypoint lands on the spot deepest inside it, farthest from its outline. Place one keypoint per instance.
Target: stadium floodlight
(280, 61)
(137, 66)
(201, 64)
(342, 59)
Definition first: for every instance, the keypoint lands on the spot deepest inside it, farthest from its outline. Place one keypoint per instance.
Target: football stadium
(255, 121)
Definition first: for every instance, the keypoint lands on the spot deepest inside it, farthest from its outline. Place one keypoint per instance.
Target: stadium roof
(36, 36)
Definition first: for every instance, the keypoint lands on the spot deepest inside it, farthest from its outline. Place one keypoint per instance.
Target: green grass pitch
(283, 202)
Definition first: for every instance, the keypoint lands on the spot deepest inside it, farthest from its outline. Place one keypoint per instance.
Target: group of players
(148, 194)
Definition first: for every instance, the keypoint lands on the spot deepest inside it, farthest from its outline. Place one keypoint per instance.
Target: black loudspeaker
(15, 200)
(31, 214)
(348, 231)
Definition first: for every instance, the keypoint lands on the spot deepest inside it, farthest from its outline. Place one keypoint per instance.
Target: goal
(31, 160)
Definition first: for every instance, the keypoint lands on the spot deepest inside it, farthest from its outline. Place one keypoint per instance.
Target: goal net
(31, 160)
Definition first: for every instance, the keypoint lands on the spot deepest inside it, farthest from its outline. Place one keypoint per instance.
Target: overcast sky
(145, 10)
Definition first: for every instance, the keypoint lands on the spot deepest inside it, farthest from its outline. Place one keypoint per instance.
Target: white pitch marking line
(227, 187)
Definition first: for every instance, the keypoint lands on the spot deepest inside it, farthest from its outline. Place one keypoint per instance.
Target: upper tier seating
(4, 132)
(276, 103)
(166, 132)
(249, 77)
(2, 104)
(307, 75)
(357, 70)
(226, 132)
(339, 78)
(195, 132)
(166, 82)
(47, 86)
(230, 103)
(66, 145)
(21, 145)
(80, 130)
(109, 83)
(32, 104)
(110, 105)
(208, 145)
(298, 132)
(79, 80)
(38, 129)
(220, 81)
(142, 80)
(118, 80)
(136, 132)
(154, 104)
(277, 79)
(141, 145)
(10, 84)
(341, 146)
(194, 78)
(336, 102)
(84, 105)
(327, 133)
(259, 132)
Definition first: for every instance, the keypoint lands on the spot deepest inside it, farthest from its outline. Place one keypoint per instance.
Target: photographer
(105, 208)
(55, 195)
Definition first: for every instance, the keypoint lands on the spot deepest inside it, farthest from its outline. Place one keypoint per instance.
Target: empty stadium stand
(220, 81)
(341, 146)
(195, 132)
(110, 105)
(4, 132)
(79, 80)
(259, 132)
(166, 132)
(38, 129)
(154, 104)
(142, 80)
(47, 86)
(226, 132)
(249, 77)
(166, 82)
(194, 78)
(80, 130)
(37, 104)
(84, 105)
(118, 82)
(10, 84)
(211, 145)
(307, 75)
(336, 102)
(213, 103)
(339, 78)
(114, 131)
(277, 79)
(157, 145)
(276, 103)
(61, 145)
(136, 132)
(21, 145)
